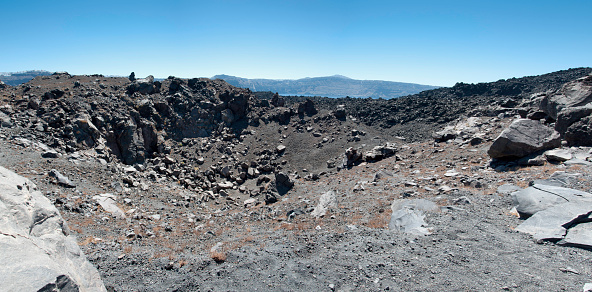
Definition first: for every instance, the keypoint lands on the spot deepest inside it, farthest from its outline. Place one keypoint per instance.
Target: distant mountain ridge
(16, 78)
(330, 86)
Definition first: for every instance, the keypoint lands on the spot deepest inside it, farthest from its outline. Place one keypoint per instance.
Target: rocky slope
(196, 185)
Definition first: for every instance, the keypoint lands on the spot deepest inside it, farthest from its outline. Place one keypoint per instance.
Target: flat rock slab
(540, 197)
(558, 179)
(554, 223)
(558, 155)
(408, 216)
(579, 236)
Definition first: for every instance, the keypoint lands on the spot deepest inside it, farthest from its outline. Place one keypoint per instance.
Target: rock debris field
(125, 184)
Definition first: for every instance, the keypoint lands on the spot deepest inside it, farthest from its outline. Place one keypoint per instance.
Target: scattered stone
(107, 202)
(451, 173)
(462, 201)
(327, 200)
(381, 174)
(283, 183)
(249, 203)
(61, 179)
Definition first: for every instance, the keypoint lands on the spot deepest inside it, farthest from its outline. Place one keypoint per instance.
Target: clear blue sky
(428, 42)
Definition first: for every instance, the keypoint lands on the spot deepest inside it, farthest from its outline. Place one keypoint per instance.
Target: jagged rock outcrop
(522, 138)
(572, 94)
(307, 108)
(36, 250)
(571, 107)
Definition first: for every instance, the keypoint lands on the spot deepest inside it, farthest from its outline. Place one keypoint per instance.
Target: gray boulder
(522, 138)
(5, 121)
(570, 115)
(328, 200)
(380, 152)
(580, 132)
(36, 250)
(352, 156)
(86, 132)
(572, 94)
(571, 107)
(143, 86)
(557, 179)
(133, 141)
(580, 235)
(283, 183)
(339, 112)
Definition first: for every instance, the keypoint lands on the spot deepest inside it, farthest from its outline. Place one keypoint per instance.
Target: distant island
(330, 86)
(16, 78)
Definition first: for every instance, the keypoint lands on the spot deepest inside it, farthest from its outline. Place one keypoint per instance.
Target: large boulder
(283, 182)
(556, 214)
(5, 121)
(580, 132)
(522, 138)
(572, 94)
(571, 107)
(464, 128)
(85, 131)
(380, 152)
(36, 249)
(307, 108)
(143, 86)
